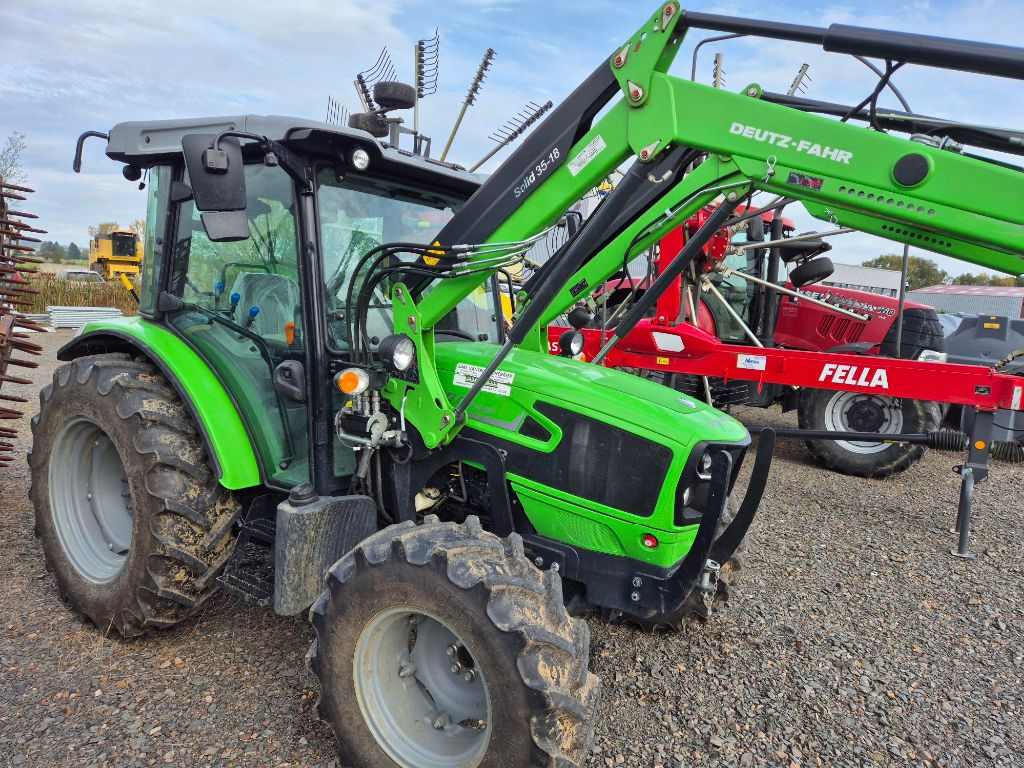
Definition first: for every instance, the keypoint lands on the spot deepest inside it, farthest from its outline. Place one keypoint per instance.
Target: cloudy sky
(69, 67)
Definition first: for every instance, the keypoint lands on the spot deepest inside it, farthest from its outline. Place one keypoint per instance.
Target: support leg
(973, 472)
(963, 516)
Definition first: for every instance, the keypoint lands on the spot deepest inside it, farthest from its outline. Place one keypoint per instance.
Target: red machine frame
(665, 343)
(684, 348)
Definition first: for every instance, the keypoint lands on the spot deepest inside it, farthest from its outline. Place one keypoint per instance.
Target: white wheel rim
(410, 671)
(837, 412)
(90, 501)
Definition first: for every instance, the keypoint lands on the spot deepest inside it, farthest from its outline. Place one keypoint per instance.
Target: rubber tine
(20, 363)
(18, 236)
(18, 342)
(21, 226)
(15, 187)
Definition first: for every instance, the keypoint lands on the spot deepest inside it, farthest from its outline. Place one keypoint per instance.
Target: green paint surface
(627, 402)
(221, 423)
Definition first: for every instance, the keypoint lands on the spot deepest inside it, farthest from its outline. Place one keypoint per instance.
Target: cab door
(242, 312)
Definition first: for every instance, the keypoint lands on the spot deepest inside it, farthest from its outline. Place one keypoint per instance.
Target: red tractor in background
(735, 293)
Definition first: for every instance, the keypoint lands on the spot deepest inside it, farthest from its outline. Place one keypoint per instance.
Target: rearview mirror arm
(276, 154)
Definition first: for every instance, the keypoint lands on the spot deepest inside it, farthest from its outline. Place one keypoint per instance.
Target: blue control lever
(253, 311)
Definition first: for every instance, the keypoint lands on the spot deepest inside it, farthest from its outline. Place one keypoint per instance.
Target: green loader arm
(878, 183)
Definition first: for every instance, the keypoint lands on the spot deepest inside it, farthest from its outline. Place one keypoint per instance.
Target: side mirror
(217, 176)
(580, 317)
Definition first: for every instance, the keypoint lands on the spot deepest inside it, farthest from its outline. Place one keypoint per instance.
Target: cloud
(70, 67)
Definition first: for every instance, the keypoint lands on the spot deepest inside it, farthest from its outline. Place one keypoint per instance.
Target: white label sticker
(466, 376)
(668, 342)
(1015, 401)
(588, 153)
(752, 362)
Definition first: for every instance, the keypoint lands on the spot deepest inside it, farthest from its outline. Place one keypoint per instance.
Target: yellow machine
(116, 253)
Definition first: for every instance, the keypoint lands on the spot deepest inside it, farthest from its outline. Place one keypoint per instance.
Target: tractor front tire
(442, 645)
(134, 525)
(835, 411)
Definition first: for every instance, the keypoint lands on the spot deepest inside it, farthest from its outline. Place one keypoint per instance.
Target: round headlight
(398, 352)
(570, 343)
(360, 159)
(704, 466)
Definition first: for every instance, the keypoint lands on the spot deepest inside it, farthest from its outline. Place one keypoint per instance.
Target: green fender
(227, 440)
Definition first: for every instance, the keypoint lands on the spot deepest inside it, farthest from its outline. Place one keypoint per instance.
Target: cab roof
(145, 143)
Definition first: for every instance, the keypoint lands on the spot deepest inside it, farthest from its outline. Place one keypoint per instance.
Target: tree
(74, 253)
(51, 251)
(920, 272)
(138, 227)
(103, 228)
(985, 279)
(10, 158)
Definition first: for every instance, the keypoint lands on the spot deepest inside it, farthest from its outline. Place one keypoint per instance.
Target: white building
(882, 281)
(972, 299)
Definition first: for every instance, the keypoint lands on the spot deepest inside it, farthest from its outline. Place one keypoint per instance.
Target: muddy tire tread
(523, 602)
(180, 574)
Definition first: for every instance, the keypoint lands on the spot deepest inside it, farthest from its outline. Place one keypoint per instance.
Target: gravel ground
(854, 639)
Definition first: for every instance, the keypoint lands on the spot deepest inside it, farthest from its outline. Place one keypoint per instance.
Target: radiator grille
(593, 460)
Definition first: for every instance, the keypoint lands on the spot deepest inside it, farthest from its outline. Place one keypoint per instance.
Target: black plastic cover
(219, 190)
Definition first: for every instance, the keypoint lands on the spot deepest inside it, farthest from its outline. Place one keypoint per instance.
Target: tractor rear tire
(133, 523)
(825, 409)
(413, 599)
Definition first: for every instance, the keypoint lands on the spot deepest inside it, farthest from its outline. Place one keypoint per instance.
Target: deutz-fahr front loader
(320, 373)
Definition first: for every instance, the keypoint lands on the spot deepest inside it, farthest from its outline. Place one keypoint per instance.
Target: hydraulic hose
(575, 255)
(672, 273)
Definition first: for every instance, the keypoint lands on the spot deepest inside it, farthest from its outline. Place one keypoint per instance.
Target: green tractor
(319, 407)
(272, 400)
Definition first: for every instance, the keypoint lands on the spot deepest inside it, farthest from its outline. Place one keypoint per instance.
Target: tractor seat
(277, 297)
(803, 249)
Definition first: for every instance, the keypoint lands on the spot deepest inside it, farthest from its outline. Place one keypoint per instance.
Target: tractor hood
(602, 393)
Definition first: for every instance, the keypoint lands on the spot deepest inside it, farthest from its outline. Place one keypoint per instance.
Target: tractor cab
(252, 265)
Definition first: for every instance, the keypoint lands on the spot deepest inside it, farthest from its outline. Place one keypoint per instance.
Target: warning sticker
(752, 362)
(588, 153)
(499, 383)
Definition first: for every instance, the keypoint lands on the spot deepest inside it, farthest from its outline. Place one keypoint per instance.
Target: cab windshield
(359, 213)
